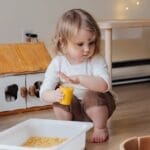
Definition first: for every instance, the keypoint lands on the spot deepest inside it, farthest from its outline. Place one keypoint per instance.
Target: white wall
(40, 16)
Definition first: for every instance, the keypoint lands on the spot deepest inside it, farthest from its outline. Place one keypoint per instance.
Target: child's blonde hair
(69, 25)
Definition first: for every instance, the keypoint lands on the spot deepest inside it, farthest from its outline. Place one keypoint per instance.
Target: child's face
(81, 46)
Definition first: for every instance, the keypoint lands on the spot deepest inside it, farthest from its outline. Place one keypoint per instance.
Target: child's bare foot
(99, 135)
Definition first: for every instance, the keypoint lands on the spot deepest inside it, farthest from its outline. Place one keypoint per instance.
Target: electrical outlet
(24, 32)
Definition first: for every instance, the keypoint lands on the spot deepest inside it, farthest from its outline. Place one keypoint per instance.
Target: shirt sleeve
(100, 69)
(51, 78)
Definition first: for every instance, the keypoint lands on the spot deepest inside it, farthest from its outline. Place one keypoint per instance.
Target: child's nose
(86, 48)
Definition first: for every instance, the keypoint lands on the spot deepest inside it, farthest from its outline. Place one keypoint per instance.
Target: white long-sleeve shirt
(95, 66)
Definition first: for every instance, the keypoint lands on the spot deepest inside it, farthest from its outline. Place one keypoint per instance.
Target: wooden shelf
(109, 25)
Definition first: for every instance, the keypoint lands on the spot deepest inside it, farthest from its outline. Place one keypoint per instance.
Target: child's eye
(91, 43)
(80, 44)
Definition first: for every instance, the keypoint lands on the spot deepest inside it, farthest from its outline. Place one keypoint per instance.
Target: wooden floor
(131, 118)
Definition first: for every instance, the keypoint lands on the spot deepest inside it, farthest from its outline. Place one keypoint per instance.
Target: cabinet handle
(32, 90)
(23, 91)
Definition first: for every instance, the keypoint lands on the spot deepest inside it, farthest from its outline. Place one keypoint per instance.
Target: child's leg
(99, 116)
(73, 112)
(62, 112)
(99, 108)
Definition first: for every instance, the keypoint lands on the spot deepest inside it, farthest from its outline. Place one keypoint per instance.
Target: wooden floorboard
(131, 118)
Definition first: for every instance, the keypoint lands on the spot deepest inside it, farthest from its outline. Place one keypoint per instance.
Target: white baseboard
(133, 74)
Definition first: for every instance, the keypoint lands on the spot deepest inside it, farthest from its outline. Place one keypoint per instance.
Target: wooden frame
(108, 26)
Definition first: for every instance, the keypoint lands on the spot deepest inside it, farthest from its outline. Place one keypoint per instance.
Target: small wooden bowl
(136, 143)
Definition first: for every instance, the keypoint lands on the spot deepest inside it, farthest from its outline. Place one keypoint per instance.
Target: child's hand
(57, 95)
(70, 79)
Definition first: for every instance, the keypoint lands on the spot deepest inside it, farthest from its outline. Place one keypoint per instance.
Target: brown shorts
(78, 107)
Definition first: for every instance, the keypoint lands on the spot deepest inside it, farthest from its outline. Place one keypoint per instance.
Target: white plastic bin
(75, 132)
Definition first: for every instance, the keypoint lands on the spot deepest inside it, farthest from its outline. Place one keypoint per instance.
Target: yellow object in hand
(68, 94)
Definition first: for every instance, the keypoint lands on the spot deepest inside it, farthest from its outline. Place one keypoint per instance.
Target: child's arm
(48, 91)
(94, 83)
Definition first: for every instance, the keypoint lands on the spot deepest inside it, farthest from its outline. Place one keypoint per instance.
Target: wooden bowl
(136, 143)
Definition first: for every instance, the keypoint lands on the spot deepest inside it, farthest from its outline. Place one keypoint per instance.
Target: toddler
(78, 64)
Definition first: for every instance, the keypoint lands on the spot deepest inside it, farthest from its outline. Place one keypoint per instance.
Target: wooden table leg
(108, 51)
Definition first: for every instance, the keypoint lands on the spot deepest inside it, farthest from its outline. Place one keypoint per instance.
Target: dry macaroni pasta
(43, 141)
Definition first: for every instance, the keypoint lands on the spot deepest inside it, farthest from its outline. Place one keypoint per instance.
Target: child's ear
(64, 50)
(61, 42)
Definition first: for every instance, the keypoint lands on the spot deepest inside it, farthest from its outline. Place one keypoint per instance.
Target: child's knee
(57, 105)
(62, 113)
(93, 98)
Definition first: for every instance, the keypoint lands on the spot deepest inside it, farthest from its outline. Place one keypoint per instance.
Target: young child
(79, 65)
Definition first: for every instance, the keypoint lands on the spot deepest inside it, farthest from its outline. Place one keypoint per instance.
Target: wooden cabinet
(22, 67)
(11, 95)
